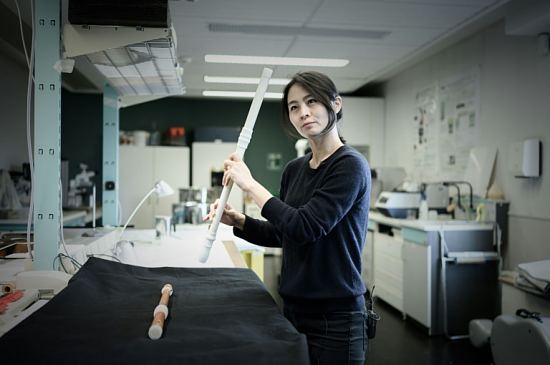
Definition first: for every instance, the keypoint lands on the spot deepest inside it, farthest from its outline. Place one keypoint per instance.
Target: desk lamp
(123, 248)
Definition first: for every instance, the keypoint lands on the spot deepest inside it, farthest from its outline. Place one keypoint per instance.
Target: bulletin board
(446, 125)
(426, 136)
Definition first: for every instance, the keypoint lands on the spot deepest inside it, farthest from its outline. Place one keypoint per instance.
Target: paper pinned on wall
(480, 168)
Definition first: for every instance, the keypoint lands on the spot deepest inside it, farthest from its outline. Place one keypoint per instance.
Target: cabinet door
(208, 157)
(171, 164)
(388, 266)
(417, 282)
(135, 180)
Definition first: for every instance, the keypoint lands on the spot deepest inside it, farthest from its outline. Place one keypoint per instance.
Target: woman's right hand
(230, 216)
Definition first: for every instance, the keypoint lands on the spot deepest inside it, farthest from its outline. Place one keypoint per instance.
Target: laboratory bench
(439, 273)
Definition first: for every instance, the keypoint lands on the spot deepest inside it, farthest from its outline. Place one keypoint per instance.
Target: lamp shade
(163, 189)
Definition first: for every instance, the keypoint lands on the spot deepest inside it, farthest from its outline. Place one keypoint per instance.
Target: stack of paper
(535, 276)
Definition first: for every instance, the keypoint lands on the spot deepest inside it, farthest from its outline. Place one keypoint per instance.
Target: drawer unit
(388, 268)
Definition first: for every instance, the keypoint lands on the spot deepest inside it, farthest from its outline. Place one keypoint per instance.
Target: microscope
(81, 189)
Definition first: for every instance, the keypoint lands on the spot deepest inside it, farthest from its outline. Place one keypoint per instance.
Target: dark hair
(320, 87)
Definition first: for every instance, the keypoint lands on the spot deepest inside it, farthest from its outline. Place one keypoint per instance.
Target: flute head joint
(167, 287)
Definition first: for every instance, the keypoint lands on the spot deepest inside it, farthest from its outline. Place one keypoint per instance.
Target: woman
(320, 221)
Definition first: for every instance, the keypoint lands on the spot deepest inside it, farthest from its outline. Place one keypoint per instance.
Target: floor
(400, 341)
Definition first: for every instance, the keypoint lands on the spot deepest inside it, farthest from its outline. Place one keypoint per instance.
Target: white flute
(242, 144)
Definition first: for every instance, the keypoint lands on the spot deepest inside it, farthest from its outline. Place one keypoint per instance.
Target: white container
(423, 210)
(162, 226)
(141, 138)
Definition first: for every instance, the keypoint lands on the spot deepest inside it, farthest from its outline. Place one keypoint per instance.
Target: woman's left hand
(237, 171)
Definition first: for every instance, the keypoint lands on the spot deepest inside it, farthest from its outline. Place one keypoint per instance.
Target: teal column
(110, 156)
(47, 135)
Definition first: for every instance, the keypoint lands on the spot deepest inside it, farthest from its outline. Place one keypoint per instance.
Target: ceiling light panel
(286, 61)
(242, 80)
(240, 94)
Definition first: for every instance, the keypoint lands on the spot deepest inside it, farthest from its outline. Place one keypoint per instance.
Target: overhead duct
(130, 43)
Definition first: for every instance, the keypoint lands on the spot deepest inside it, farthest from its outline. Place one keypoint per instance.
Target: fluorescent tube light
(242, 80)
(240, 94)
(285, 61)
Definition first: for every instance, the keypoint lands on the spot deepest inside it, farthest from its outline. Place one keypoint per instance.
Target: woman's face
(307, 114)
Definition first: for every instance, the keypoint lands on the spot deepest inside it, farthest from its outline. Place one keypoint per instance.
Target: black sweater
(320, 221)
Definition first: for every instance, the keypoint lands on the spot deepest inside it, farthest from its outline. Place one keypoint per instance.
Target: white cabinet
(388, 268)
(209, 157)
(363, 124)
(417, 281)
(139, 169)
(471, 289)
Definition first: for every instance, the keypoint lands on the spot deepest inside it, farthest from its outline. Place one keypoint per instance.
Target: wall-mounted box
(526, 158)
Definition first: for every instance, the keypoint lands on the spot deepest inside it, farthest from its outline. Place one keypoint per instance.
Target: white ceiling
(329, 29)
(414, 26)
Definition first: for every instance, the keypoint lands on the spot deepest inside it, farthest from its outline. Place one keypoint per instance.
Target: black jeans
(333, 338)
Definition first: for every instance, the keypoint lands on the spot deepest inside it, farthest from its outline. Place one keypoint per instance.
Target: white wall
(514, 105)
(363, 123)
(13, 145)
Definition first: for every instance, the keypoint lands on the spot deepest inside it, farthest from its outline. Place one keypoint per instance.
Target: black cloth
(320, 220)
(216, 316)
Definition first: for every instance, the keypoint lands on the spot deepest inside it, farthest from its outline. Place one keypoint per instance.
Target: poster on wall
(458, 123)
(446, 127)
(425, 134)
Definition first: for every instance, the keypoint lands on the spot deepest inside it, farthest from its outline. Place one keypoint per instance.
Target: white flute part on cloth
(242, 144)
